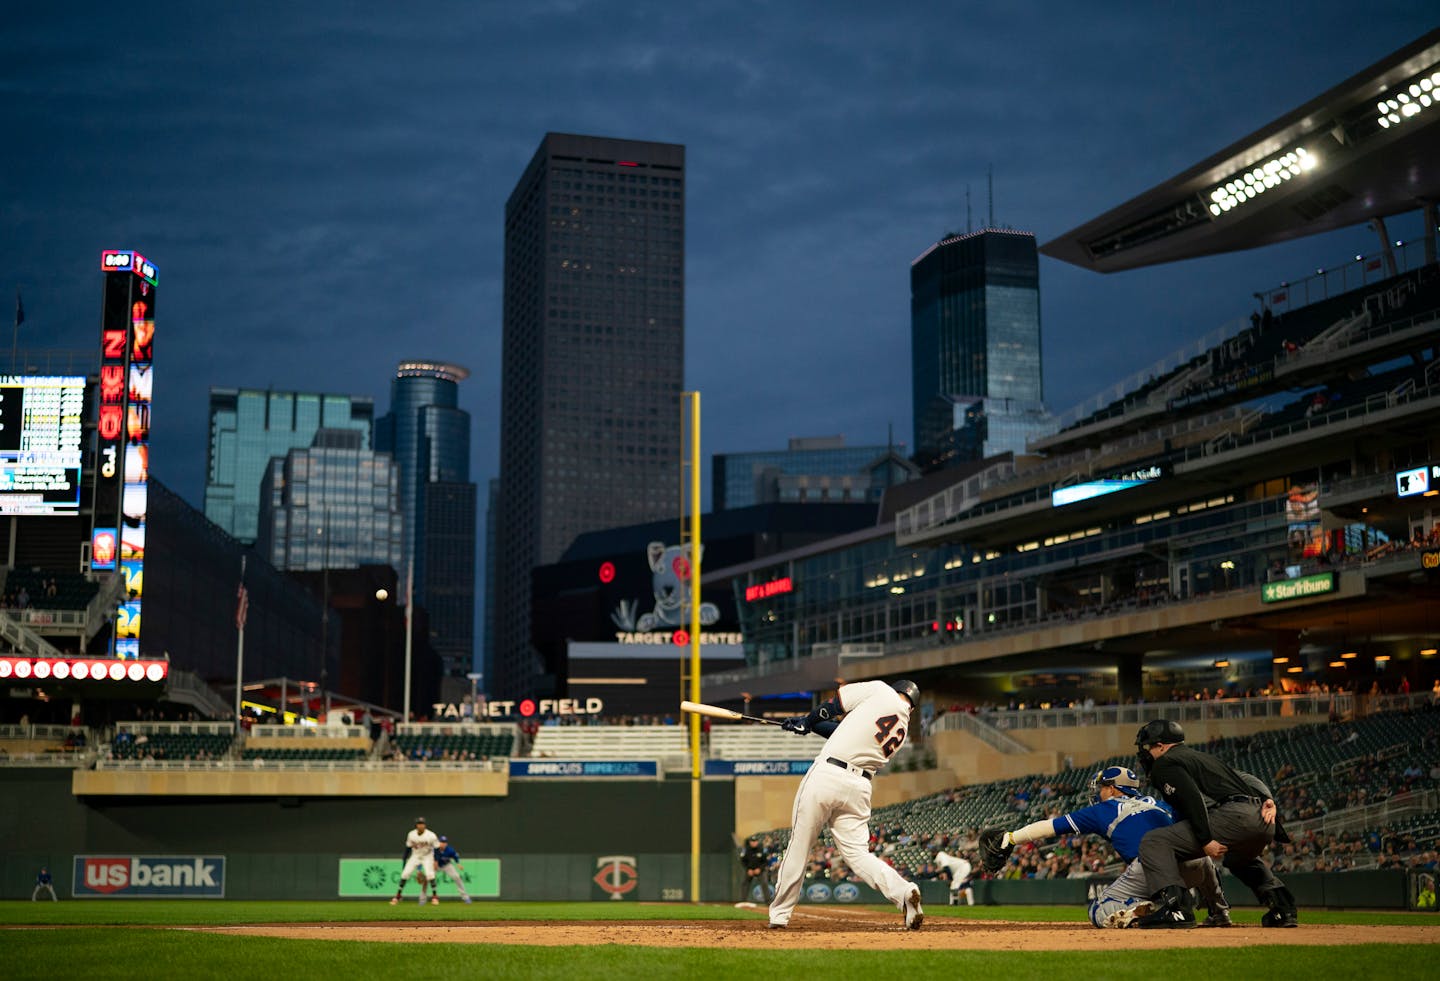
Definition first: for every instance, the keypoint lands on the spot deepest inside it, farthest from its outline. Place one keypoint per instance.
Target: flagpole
(409, 633)
(240, 612)
(15, 334)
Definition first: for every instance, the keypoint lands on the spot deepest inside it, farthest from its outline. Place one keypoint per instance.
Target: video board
(41, 423)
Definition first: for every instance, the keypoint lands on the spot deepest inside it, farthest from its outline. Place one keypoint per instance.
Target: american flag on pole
(242, 606)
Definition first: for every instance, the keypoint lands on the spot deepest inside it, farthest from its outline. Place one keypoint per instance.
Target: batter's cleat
(778, 926)
(434, 900)
(467, 899)
(1122, 918)
(1218, 920)
(914, 915)
(394, 900)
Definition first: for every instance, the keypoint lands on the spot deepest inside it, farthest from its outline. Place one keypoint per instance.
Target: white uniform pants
(425, 864)
(840, 799)
(43, 887)
(449, 869)
(1130, 889)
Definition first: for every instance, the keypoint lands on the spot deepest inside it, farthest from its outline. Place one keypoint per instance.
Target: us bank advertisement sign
(149, 876)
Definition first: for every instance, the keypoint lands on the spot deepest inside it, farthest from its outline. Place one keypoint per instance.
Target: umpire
(1217, 813)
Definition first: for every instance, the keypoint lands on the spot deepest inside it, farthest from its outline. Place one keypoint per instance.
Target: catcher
(1119, 814)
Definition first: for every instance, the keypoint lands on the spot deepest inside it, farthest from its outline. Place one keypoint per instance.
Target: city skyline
(324, 204)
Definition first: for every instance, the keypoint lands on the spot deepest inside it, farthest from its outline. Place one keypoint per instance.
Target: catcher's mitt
(993, 853)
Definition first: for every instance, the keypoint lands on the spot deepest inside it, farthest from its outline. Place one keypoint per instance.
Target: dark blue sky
(322, 185)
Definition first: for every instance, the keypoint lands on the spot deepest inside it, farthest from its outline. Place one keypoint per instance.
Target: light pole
(409, 632)
(325, 608)
(475, 677)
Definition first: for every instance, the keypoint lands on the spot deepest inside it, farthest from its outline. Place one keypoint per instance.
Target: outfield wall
(551, 836)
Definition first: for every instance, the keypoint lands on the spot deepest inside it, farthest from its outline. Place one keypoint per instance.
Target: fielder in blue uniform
(447, 860)
(1122, 816)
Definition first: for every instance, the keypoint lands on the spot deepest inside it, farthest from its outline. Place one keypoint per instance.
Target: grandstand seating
(170, 746)
(428, 746)
(72, 590)
(753, 742)
(669, 744)
(1317, 752)
(307, 754)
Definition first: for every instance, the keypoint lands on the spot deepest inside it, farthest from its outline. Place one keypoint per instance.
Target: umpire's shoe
(1173, 911)
(1282, 911)
(1218, 920)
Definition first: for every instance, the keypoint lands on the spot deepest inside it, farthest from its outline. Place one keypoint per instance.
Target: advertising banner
(1291, 589)
(616, 877)
(149, 876)
(378, 878)
(757, 768)
(584, 768)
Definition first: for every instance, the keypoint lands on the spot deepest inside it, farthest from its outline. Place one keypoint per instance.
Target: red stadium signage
(765, 590)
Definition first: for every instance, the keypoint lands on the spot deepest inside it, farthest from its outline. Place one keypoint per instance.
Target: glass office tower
(593, 363)
(429, 437)
(975, 334)
(811, 469)
(248, 427)
(335, 505)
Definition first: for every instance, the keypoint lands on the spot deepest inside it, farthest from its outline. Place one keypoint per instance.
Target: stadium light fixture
(1294, 669)
(1428, 652)
(1409, 99)
(1337, 664)
(1349, 655)
(1222, 663)
(1251, 183)
(1281, 660)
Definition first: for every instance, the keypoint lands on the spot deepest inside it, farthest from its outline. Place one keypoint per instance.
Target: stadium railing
(1370, 816)
(305, 733)
(382, 766)
(1264, 707)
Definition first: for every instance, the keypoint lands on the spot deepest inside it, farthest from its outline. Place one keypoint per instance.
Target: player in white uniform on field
(865, 723)
(961, 873)
(419, 860)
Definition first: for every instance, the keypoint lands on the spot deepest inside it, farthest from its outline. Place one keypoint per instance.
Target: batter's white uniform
(874, 726)
(422, 854)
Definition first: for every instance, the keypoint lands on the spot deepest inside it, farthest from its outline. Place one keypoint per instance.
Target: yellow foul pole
(696, 765)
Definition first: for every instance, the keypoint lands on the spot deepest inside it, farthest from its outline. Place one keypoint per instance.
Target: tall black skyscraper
(429, 437)
(975, 345)
(593, 363)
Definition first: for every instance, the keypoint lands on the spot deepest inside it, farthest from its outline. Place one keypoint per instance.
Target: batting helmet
(910, 690)
(1159, 731)
(1122, 778)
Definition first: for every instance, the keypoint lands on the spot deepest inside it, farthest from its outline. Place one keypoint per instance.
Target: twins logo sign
(616, 877)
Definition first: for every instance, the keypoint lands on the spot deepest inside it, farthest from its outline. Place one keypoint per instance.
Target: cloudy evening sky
(322, 184)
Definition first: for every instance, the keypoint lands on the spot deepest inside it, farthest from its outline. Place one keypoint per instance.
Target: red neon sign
(765, 590)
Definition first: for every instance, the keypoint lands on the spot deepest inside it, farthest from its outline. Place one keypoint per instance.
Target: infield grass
(83, 941)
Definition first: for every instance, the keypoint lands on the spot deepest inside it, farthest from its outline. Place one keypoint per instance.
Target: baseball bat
(716, 712)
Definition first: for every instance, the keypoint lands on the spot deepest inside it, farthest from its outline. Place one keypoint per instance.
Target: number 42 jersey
(874, 726)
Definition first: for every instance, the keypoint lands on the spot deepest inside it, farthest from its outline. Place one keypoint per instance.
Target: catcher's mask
(1122, 778)
(1153, 732)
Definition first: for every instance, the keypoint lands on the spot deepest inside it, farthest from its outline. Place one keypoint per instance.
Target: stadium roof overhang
(1367, 148)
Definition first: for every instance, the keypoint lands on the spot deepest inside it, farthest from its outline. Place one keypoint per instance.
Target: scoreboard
(41, 419)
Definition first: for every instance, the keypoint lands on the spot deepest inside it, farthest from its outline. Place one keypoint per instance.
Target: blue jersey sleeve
(1092, 820)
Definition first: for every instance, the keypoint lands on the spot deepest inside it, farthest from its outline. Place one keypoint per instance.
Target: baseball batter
(864, 724)
(1122, 816)
(420, 846)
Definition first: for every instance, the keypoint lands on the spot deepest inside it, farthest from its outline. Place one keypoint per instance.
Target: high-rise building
(334, 505)
(975, 338)
(248, 427)
(429, 437)
(816, 469)
(593, 363)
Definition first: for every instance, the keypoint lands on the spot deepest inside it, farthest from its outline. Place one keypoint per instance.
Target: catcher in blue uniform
(1121, 815)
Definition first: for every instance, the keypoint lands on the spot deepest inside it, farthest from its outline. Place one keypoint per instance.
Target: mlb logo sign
(131, 876)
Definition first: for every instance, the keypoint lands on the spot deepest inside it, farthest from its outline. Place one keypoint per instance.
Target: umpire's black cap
(1159, 731)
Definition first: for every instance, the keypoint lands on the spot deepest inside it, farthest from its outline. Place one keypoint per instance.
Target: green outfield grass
(91, 949)
(169, 912)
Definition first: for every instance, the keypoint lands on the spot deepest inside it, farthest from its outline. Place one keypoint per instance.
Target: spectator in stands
(22, 598)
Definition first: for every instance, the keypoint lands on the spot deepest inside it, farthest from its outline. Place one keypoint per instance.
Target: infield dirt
(833, 928)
